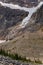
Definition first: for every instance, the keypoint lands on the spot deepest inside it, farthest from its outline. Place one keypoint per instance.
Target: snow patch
(2, 41)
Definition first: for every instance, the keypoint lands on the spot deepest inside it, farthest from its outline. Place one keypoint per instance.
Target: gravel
(9, 61)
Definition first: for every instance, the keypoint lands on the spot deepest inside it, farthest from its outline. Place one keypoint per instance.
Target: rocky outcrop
(9, 61)
(38, 15)
(10, 17)
(36, 21)
(26, 3)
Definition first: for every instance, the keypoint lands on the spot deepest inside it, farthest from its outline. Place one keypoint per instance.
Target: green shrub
(38, 61)
(17, 57)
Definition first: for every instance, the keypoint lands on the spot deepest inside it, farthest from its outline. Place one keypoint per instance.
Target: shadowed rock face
(36, 21)
(39, 15)
(26, 3)
(10, 17)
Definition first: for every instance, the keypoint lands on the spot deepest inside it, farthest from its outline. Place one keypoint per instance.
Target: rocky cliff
(36, 21)
(10, 17)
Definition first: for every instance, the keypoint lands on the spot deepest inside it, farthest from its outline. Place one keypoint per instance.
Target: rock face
(9, 61)
(38, 16)
(36, 21)
(22, 2)
(10, 17)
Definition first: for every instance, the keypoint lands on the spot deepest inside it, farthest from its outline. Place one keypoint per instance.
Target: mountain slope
(36, 21)
(34, 24)
(8, 18)
(27, 41)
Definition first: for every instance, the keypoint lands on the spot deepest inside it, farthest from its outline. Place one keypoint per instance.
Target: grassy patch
(38, 61)
(17, 57)
(14, 41)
